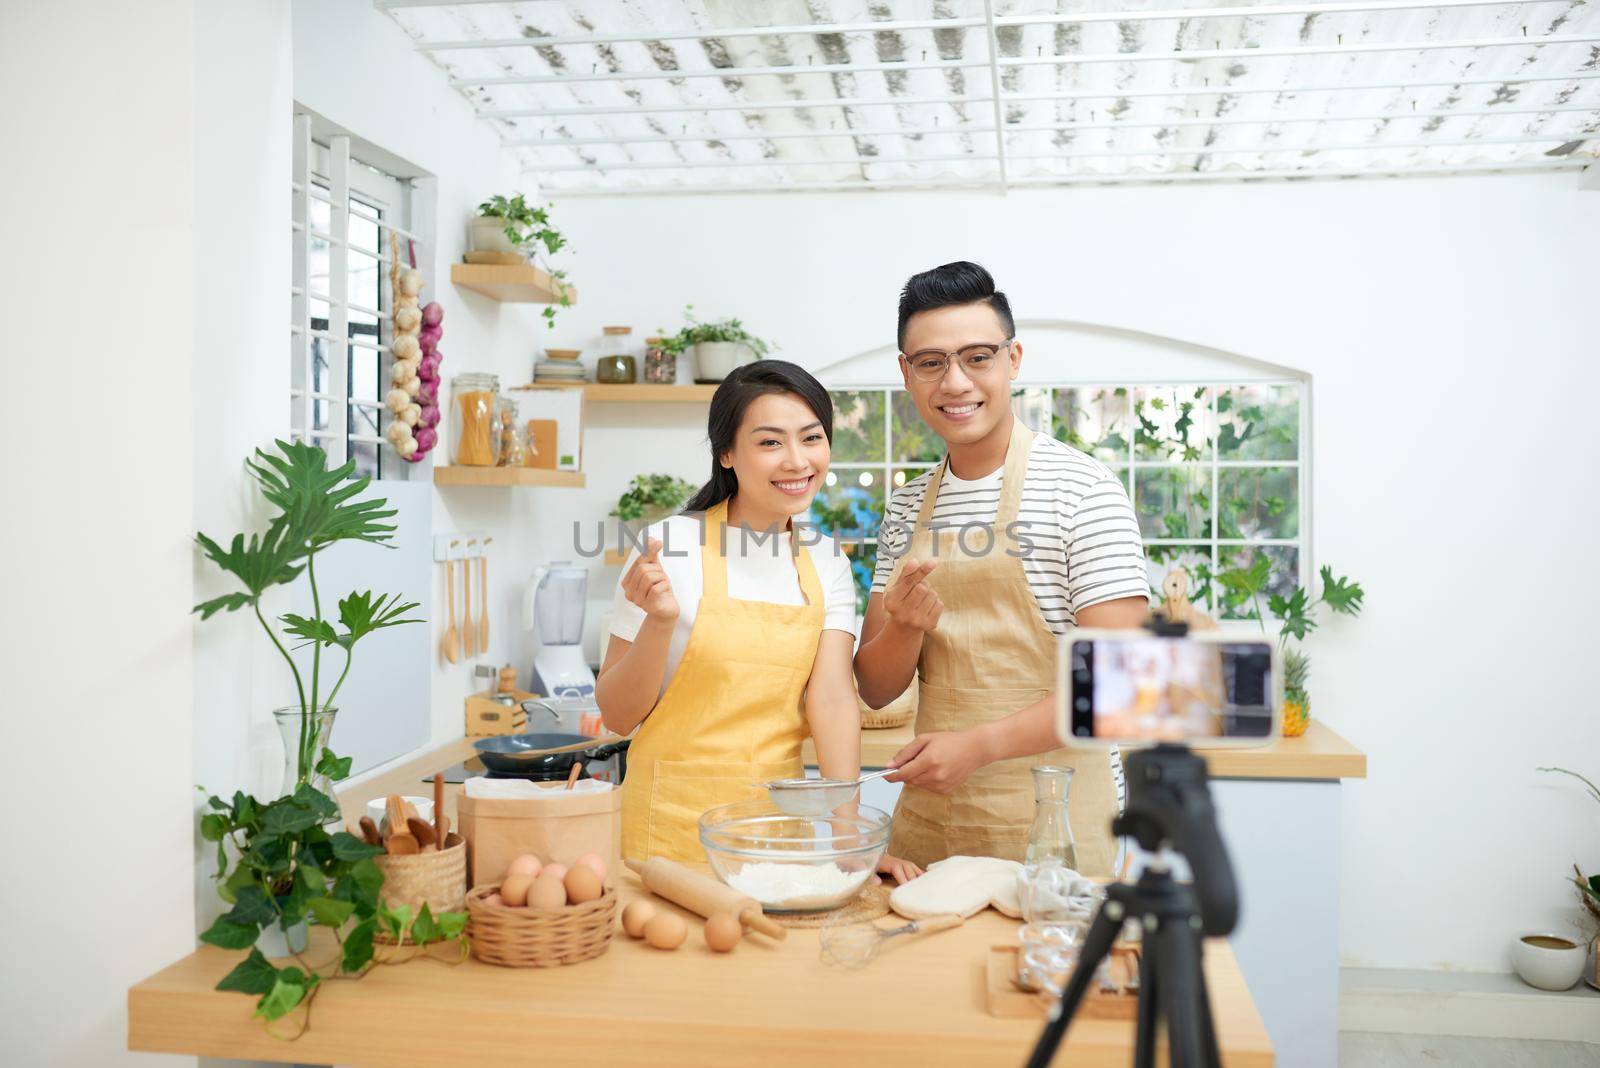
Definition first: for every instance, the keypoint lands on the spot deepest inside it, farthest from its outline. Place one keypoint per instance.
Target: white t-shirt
(757, 571)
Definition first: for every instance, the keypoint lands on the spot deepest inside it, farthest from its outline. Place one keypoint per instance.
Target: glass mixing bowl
(793, 863)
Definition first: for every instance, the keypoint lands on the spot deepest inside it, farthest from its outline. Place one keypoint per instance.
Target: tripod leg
(1096, 945)
(1180, 945)
(1211, 1057)
(1149, 1016)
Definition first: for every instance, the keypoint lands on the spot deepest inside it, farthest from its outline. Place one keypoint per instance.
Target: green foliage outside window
(1206, 466)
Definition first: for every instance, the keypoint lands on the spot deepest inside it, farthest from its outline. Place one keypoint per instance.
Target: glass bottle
(660, 362)
(1050, 837)
(616, 363)
(473, 414)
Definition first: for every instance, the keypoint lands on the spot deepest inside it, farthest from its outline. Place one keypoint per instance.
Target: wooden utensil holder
(523, 937)
(438, 880)
(487, 716)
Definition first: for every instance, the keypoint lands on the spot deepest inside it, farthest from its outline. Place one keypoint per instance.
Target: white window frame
(334, 163)
(1132, 466)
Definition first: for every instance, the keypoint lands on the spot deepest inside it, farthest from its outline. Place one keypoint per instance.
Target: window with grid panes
(344, 212)
(1214, 470)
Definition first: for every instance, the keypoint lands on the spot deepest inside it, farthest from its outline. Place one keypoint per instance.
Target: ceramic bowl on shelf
(793, 863)
(1548, 961)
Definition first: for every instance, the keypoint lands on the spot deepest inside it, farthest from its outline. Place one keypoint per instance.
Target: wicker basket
(896, 713)
(539, 938)
(438, 880)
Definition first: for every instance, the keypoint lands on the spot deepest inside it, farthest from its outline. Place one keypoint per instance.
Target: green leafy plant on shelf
(1588, 886)
(278, 865)
(721, 330)
(651, 497)
(1242, 588)
(530, 231)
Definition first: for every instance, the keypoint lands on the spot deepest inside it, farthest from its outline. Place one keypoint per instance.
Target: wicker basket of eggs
(539, 915)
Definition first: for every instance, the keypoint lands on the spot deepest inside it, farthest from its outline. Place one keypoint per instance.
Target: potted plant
(510, 227)
(1588, 886)
(649, 498)
(1242, 585)
(719, 346)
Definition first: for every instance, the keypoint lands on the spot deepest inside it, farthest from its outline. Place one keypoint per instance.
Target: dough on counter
(961, 885)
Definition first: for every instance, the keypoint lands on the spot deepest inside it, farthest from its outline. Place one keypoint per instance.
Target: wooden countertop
(1320, 753)
(769, 1002)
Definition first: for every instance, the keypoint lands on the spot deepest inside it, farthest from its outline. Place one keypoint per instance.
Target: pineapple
(1296, 701)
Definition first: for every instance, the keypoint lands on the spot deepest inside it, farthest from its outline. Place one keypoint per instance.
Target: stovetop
(471, 769)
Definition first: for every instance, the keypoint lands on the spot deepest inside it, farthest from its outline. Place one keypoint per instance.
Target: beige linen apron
(992, 654)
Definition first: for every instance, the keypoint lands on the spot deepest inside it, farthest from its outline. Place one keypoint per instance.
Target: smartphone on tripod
(1132, 688)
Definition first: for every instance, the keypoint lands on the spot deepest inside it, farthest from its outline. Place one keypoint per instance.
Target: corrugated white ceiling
(895, 93)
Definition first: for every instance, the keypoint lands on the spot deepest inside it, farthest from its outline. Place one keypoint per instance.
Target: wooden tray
(1006, 998)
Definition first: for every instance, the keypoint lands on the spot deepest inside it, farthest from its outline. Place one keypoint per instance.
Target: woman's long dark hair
(746, 383)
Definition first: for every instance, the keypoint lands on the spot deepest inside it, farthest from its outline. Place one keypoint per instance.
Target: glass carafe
(1050, 837)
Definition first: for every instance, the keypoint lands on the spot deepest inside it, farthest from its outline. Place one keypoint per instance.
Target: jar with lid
(660, 362)
(475, 414)
(616, 362)
(510, 437)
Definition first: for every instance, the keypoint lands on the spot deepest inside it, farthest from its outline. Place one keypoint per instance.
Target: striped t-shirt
(1085, 539)
(1085, 545)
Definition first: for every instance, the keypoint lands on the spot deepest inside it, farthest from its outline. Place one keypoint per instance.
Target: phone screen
(1148, 688)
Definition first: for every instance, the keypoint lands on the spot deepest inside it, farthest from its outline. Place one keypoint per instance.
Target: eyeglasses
(931, 365)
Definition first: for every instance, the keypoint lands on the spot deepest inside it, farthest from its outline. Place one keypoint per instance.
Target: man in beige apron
(959, 610)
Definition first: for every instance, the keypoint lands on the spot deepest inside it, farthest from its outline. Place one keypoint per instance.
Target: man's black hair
(961, 282)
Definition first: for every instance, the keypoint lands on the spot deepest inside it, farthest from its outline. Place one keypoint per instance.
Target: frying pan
(524, 753)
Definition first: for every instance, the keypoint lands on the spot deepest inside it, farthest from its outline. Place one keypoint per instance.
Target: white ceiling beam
(1039, 127)
(1190, 56)
(1143, 178)
(993, 50)
(899, 25)
(854, 160)
(896, 101)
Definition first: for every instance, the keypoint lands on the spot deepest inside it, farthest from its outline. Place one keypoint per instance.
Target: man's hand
(646, 585)
(910, 602)
(939, 760)
(903, 871)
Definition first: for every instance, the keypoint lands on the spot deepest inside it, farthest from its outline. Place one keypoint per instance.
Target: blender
(552, 607)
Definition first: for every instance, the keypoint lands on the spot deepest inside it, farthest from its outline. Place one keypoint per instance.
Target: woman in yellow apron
(732, 634)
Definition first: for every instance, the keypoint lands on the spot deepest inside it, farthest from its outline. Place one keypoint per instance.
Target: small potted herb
(718, 346)
(649, 498)
(510, 227)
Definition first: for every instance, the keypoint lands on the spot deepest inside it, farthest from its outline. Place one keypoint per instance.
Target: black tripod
(1170, 813)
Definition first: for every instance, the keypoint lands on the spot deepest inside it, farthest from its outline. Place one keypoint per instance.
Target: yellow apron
(731, 716)
(991, 655)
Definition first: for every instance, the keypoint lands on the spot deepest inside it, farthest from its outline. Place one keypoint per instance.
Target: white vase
(274, 943)
(489, 235)
(715, 360)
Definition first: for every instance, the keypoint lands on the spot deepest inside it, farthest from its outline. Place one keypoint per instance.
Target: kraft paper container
(558, 827)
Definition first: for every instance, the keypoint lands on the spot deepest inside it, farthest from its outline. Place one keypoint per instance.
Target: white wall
(1448, 328)
(97, 209)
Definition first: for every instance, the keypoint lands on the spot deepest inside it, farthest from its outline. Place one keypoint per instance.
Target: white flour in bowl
(798, 886)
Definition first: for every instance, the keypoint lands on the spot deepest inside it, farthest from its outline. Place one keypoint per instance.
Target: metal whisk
(854, 945)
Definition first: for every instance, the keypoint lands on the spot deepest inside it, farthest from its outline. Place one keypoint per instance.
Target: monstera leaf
(317, 503)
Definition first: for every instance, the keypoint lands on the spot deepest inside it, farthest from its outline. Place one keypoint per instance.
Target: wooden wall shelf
(456, 475)
(631, 393)
(511, 284)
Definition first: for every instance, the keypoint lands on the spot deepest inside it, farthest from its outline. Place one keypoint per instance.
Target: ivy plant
(652, 494)
(529, 229)
(720, 330)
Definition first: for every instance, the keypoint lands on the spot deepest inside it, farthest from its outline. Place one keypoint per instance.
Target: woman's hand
(646, 585)
(902, 870)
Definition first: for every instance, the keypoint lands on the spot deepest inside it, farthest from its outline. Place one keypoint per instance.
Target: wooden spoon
(438, 808)
(369, 831)
(447, 644)
(401, 842)
(572, 776)
(422, 831)
(469, 633)
(483, 603)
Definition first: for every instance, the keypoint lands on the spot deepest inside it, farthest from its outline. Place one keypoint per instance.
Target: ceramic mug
(377, 809)
(1548, 961)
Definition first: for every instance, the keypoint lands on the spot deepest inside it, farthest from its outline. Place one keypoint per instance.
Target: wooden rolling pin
(703, 895)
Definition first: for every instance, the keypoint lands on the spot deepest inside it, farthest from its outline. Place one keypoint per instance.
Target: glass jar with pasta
(474, 409)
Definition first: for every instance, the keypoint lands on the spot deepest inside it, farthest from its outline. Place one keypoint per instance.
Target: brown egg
(666, 930)
(635, 916)
(723, 931)
(583, 885)
(527, 864)
(494, 900)
(514, 891)
(593, 862)
(547, 893)
(558, 870)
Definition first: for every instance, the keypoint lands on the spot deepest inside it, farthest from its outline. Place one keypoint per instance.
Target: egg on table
(666, 930)
(635, 916)
(723, 932)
